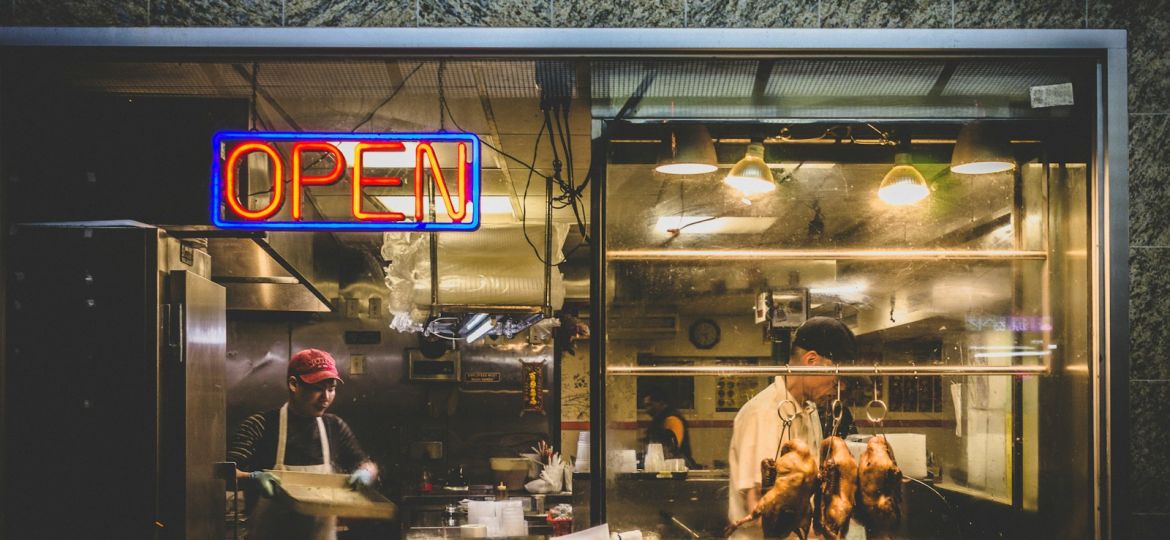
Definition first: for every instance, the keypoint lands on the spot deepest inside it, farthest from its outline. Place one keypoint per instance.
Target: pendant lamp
(981, 149)
(903, 185)
(687, 150)
(751, 175)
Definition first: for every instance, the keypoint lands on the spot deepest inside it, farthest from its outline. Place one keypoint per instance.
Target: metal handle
(720, 255)
(843, 371)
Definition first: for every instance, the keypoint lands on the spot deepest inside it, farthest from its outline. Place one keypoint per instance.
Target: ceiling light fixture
(981, 149)
(903, 185)
(751, 175)
(687, 150)
(480, 329)
(472, 322)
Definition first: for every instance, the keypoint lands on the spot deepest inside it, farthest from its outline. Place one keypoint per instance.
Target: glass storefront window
(941, 276)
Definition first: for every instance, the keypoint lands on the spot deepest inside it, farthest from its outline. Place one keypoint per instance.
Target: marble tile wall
(1149, 105)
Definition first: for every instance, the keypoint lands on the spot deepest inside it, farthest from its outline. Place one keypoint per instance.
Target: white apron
(274, 521)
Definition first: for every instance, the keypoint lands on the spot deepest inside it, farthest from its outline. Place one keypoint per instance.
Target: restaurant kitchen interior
(646, 223)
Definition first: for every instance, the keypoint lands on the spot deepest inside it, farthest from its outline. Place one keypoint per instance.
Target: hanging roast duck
(837, 490)
(786, 507)
(879, 499)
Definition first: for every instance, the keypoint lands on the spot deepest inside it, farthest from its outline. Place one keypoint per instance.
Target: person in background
(668, 427)
(755, 436)
(298, 436)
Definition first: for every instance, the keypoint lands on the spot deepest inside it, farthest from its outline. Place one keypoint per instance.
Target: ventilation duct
(492, 270)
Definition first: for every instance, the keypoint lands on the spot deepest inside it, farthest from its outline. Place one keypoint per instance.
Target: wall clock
(704, 334)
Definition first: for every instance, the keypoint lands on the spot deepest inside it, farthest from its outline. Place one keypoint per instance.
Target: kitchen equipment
(456, 479)
(431, 450)
(317, 494)
(445, 368)
(510, 471)
(473, 530)
(425, 483)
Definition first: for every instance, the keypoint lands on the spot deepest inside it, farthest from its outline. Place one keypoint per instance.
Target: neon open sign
(445, 169)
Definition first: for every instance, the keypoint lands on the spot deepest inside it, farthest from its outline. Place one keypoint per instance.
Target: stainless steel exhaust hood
(271, 271)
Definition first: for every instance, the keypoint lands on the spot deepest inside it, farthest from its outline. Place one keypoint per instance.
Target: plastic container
(317, 494)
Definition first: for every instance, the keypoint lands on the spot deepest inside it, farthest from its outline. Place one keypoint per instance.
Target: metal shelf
(823, 254)
(843, 371)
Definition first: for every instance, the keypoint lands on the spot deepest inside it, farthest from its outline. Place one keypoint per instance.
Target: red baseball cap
(313, 366)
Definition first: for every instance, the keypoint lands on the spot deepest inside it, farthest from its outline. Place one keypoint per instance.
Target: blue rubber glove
(267, 482)
(361, 478)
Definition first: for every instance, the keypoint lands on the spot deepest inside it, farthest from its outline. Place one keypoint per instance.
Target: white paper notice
(1053, 95)
(957, 399)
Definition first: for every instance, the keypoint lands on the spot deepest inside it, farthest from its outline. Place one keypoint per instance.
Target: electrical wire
(365, 120)
(570, 196)
(531, 167)
(524, 200)
(388, 99)
(252, 102)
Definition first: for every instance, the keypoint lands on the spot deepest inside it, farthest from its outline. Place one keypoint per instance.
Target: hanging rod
(844, 371)
(820, 254)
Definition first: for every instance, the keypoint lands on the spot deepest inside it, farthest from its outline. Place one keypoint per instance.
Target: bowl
(510, 471)
(533, 465)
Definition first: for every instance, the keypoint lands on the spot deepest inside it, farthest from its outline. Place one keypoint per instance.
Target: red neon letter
(359, 180)
(297, 180)
(229, 183)
(425, 149)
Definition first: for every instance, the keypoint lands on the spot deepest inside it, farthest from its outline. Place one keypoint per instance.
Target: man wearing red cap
(298, 436)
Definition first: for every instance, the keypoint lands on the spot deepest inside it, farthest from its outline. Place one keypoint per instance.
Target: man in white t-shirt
(820, 341)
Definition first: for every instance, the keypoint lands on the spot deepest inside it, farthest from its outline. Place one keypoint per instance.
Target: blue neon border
(222, 137)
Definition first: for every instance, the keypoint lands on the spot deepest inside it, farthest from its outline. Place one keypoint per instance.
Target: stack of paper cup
(582, 464)
(484, 513)
(655, 460)
(512, 519)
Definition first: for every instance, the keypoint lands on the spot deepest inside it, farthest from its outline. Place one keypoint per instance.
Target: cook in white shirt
(820, 341)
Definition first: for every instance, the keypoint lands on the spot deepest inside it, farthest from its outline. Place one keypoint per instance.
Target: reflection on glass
(959, 275)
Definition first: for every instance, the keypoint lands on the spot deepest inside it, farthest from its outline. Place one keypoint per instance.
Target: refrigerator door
(80, 384)
(193, 404)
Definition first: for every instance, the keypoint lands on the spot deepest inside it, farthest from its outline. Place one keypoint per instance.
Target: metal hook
(837, 409)
(787, 418)
(876, 411)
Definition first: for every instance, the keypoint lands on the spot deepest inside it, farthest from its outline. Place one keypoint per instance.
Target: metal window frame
(1111, 168)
